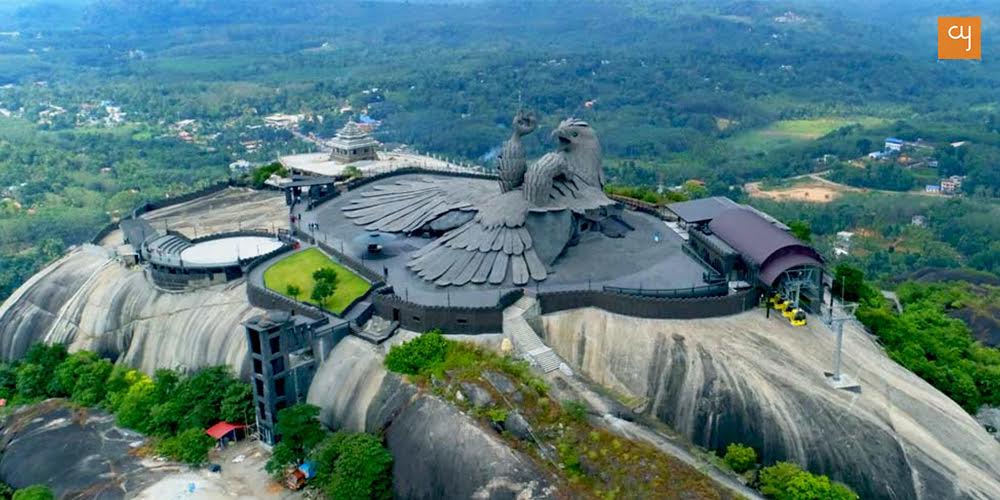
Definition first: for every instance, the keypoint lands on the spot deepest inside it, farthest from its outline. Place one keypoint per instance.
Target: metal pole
(840, 343)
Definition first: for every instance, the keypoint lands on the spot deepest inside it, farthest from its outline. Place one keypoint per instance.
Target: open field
(809, 189)
(297, 269)
(789, 132)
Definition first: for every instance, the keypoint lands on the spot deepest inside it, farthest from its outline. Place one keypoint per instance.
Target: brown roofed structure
(760, 242)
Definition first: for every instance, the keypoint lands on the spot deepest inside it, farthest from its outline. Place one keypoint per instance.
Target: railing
(710, 290)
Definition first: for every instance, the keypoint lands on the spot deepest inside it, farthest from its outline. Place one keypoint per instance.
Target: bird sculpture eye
(575, 134)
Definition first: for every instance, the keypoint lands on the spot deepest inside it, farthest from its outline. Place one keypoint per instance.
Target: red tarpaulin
(220, 429)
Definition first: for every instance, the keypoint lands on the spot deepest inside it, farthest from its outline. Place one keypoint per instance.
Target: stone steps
(525, 340)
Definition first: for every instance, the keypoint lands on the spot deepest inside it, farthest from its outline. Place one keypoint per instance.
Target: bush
(418, 354)
(36, 492)
(740, 458)
(5, 491)
(575, 410)
(353, 465)
(787, 481)
(190, 446)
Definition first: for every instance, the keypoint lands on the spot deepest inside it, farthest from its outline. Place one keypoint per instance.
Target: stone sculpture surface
(509, 232)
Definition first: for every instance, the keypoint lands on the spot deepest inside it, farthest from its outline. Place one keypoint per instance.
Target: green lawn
(788, 132)
(297, 269)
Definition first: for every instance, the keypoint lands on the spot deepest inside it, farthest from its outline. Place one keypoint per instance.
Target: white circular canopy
(228, 251)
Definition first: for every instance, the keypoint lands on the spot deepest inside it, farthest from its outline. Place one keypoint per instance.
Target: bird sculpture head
(578, 141)
(575, 134)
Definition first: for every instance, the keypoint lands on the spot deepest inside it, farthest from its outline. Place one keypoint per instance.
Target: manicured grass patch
(297, 270)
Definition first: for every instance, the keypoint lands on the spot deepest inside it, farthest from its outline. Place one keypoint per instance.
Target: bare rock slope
(759, 381)
(88, 300)
(438, 452)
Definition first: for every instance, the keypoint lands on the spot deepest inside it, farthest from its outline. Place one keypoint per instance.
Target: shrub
(353, 465)
(36, 492)
(787, 481)
(497, 415)
(740, 458)
(190, 446)
(575, 410)
(419, 354)
(6, 491)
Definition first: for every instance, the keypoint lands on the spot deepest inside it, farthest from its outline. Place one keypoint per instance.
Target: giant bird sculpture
(512, 234)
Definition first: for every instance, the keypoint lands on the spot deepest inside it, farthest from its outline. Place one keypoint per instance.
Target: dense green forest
(95, 96)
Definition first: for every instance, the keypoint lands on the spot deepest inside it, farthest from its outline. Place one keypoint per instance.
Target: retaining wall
(451, 320)
(650, 307)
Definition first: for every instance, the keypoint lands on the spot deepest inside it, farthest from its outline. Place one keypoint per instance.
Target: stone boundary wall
(149, 206)
(450, 320)
(267, 299)
(650, 307)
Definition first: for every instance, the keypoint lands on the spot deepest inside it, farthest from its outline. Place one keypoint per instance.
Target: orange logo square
(959, 38)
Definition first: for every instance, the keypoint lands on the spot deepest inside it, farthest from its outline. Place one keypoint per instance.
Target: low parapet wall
(449, 319)
(416, 170)
(650, 307)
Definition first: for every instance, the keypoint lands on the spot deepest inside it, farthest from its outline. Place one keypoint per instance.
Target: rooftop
(701, 210)
(763, 244)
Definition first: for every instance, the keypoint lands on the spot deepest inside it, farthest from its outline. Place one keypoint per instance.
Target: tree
(91, 383)
(418, 354)
(322, 291)
(136, 406)
(848, 282)
(740, 458)
(353, 465)
(190, 446)
(293, 291)
(35, 492)
(237, 404)
(801, 230)
(32, 381)
(299, 432)
(8, 381)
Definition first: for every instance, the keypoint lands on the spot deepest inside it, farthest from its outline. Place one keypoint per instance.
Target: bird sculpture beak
(561, 135)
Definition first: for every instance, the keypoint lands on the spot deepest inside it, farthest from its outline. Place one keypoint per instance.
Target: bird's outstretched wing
(407, 205)
(490, 248)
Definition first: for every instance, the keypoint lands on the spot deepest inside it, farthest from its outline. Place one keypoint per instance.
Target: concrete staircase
(526, 341)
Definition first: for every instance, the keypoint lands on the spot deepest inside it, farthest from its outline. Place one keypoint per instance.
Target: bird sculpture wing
(490, 248)
(408, 205)
(511, 164)
(538, 181)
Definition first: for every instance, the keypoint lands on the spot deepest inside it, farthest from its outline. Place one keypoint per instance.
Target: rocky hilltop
(438, 452)
(759, 381)
(88, 300)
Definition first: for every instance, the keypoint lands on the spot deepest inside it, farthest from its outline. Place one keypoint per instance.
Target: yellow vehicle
(781, 304)
(789, 311)
(799, 318)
